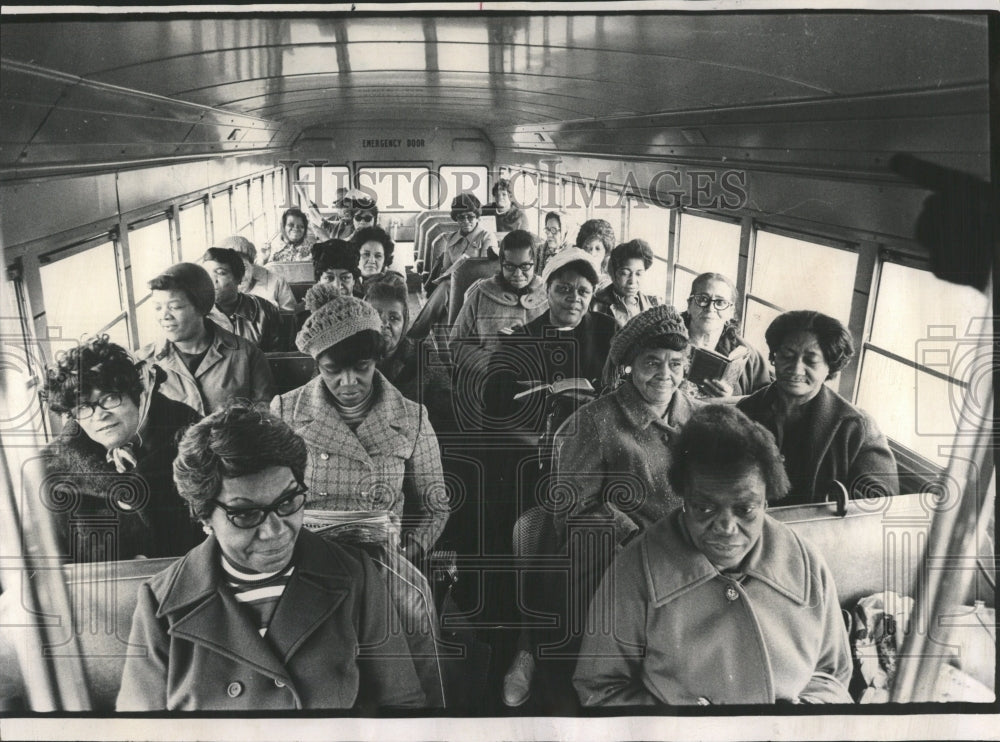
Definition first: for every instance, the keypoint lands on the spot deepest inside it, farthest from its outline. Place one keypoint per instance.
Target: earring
(207, 529)
(683, 506)
(628, 370)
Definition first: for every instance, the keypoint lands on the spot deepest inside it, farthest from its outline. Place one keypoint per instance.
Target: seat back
(465, 275)
(290, 370)
(298, 272)
(875, 546)
(300, 288)
(421, 243)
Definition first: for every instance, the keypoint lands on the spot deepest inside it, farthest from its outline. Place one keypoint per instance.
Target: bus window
(609, 206)
(258, 233)
(149, 251)
(790, 273)
(456, 179)
(331, 179)
(526, 191)
(241, 211)
(76, 312)
(222, 217)
(194, 240)
(270, 210)
(401, 193)
(705, 246)
(920, 358)
(397, 188)
(651, 223)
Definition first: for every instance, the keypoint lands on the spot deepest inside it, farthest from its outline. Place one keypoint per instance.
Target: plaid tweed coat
(391, 462)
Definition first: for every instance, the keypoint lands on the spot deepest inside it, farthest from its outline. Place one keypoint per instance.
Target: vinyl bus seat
(290, 370)
(465, 275)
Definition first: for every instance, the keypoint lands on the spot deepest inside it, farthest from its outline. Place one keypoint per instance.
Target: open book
(559, 387)
(708, 364)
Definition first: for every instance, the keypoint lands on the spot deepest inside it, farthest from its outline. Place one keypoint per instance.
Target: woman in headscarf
(111, 463)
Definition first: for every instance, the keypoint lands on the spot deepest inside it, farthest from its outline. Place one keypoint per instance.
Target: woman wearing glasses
(514, 296)
(108, 479)
(711, 322)
(262, 615)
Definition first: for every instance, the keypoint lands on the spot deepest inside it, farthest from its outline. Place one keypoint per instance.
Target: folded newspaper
(354, 526)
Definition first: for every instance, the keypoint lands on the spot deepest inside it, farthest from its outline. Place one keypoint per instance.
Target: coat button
(278, 683)
(731, 594)
(234, 689)
(325, 456)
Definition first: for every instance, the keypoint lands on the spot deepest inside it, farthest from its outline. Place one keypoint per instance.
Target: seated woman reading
(717, 603)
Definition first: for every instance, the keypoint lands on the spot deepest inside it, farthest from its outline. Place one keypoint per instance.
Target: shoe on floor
(517, 681)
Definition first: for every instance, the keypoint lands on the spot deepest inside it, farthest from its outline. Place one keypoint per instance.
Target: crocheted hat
(194, 281)
(334, 321)
(572, 255)
(654, 322)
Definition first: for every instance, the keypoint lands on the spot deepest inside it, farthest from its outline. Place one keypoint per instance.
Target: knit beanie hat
(194, 281)
(334, 321)
(637, 332)
(584, 264)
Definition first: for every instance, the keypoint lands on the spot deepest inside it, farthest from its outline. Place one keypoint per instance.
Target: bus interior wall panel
(71, 202)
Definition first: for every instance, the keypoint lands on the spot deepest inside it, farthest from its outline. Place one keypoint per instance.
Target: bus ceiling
(834, 94)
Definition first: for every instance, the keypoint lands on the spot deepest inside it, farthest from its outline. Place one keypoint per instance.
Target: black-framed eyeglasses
(290, 504)
(108, 401)
(523, 267)
(552, 230)
(364, 218)
(469, 218)
(717, 302)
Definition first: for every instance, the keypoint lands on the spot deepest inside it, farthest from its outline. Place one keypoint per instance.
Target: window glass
(149, 251)
(258, 233)
(270, 211)
(456, 179)
(652, 223)
(758, 317)
(192, 231)
(933, 325)
(526, 186)
(909, 301)
(791, 273)
(397, 188)
(76, 312)
(705, 246)
(332, 179)
(222, 219)
(913, 407)
(609, 206)
(146, 321)
(797, 274)
(241, 211)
